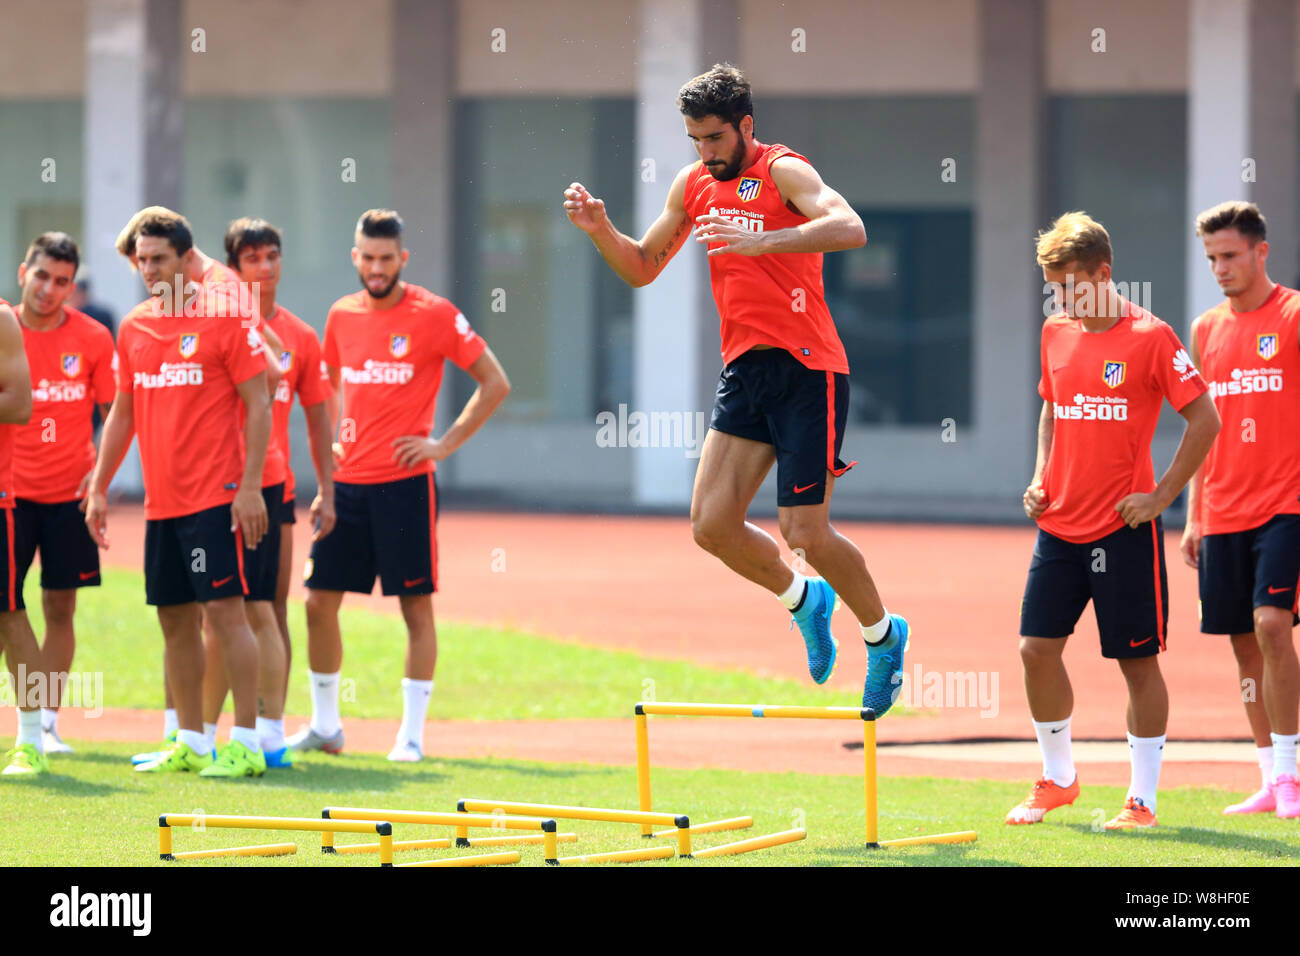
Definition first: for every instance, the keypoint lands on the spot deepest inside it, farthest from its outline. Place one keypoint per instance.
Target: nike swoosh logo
(217, 584)
(1278, 590)
(411, 584)
(1133, 643)
(799, 491)
(1057, 730)
(87, 575)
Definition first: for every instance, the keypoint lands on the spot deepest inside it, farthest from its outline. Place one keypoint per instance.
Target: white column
(1218, 108)
(666, 312)
(114, 157)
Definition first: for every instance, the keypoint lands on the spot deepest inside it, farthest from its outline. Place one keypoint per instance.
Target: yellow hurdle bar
(601, 814)
(461, 821)
(326, 827)
(961, 836)
(268, 849)
(483, 859)
(677, 709)
(443, 843)
(755, 843)
(621, 856)
(733, 823)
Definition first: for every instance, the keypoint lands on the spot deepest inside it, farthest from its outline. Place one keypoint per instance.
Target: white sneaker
(405, 751)
(52, 742)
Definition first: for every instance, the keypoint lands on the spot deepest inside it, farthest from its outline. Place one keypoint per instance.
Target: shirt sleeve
(313, 377)
(1173, 372)
(102, 377)
(330, 352)
(121, 366)
(1044, 380)
(462, 344)
(245, 353)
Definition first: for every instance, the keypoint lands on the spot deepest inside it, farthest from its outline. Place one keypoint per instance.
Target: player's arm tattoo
(672, 243)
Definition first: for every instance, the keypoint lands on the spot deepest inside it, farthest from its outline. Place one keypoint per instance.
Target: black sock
(889, 631)
(803, 597)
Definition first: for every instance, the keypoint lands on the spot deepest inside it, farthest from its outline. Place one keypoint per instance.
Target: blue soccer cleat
(278, 759)
(814, 620)
(885, 668)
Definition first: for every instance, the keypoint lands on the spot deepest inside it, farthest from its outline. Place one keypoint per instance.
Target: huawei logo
(1182, 362)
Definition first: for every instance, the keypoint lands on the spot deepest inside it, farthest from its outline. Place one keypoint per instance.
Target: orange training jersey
(775, 299)
(304, 373)
(7, 435)
(390, 367)
(181, 372)
(72, 371)
(1252, 362)
(1106, 389)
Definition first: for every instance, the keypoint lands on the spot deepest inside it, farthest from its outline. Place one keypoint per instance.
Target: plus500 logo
(1247, 384)
(1092, 412)
(169, 377)
(59, 392)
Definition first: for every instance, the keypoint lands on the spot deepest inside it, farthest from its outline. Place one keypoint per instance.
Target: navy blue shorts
(11, 593)
(1124, 576)
(262, 564)
(289, 511)
(1243, 570)
(386, 530)
(769, 396)
(69, 557)
(193, 557)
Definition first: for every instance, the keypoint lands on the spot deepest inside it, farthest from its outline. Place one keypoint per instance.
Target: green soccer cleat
(149, 756)
(25, 761)
(178, 758)
(236, 760)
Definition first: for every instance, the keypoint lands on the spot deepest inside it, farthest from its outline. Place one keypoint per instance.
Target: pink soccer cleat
(1261, 801)
(1286, 790)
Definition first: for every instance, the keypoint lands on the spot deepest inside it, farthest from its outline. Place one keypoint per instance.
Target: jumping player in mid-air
(766, 217)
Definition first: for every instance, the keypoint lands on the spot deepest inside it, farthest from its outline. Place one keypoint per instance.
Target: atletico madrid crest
(71, 364)
(399, 345)
(286, 360)
(189, 344)
(1113, 373)
(748, 188)
(1266, 345)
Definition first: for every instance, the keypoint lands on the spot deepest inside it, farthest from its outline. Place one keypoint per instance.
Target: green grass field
(96, 811)
(93, 810)
(483, 673)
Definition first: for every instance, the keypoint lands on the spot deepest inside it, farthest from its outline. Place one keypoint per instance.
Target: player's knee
(1272, 632)
(1245, 648)
(807, 539)
(710, 533)
(321, 606)
(1038, 652)
(416, 608)
(59, 606)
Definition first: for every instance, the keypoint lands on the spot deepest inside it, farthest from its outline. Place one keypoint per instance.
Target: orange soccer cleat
(1135, 814)
(1046, 795)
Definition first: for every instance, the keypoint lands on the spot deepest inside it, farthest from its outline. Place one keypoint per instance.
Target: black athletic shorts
(1243, 570)
(289, 511)
(69, 557)
(11, 593)
(262, 564)
(193, 558)
(386, 530)
(1124, 575)
(768, 395)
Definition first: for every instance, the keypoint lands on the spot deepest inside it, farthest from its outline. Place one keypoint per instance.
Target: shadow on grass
(53, 783)
(1215, 839)
(956, 854)
(342, 775)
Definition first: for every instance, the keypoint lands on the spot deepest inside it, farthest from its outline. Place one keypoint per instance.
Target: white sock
(1058, 763)
(415, 704)
(1145, 755)
(324, 703)
(210, 732)
(270, 733)
(171, 723)
(29, 729)
(49, 719)
(875, 633)
(1284, 747)
(1265, 755)
(195, 741)
(246, 736)
(792, 595)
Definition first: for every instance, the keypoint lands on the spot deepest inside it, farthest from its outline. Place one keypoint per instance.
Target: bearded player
(766, 218)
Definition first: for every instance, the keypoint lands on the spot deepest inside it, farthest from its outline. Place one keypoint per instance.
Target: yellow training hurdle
(326, 828)
(865, 714)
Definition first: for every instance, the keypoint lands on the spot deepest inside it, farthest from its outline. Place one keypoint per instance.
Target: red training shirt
(304, 373)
